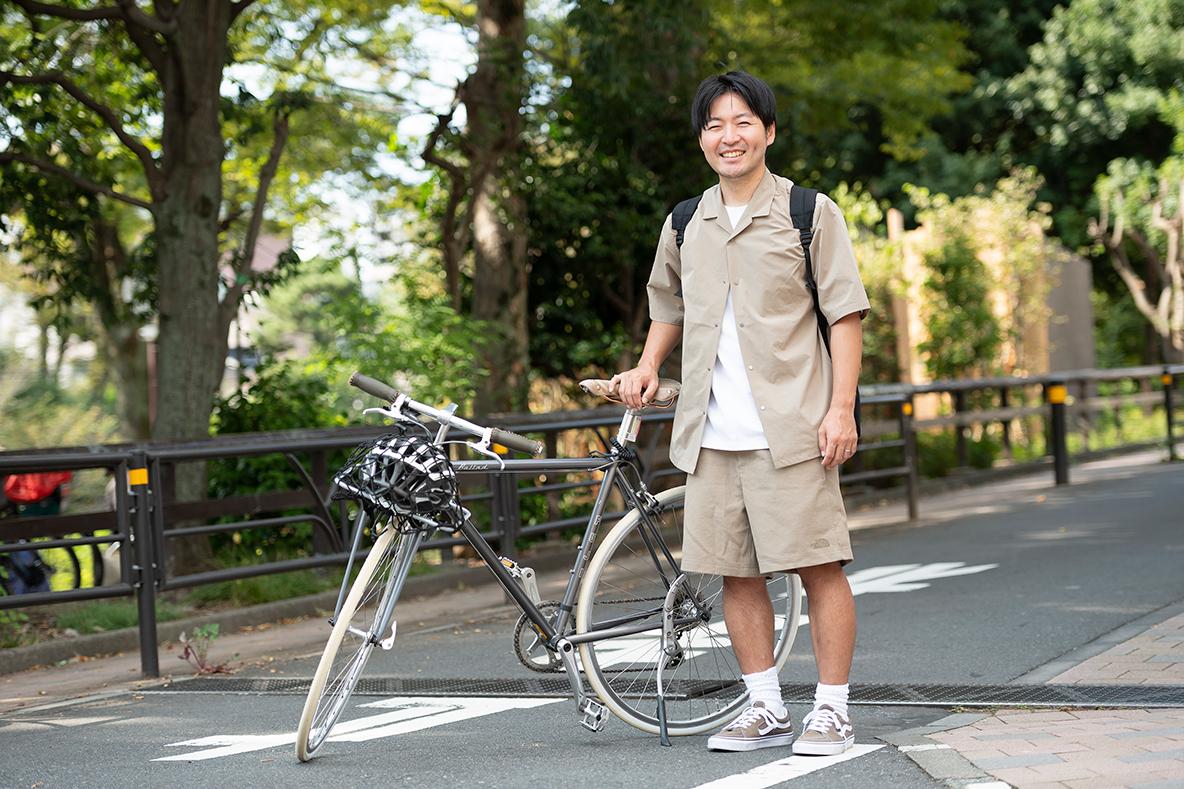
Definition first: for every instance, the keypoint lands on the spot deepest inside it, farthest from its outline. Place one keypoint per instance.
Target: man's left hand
(837, 438)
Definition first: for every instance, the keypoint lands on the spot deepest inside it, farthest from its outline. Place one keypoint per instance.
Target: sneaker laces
(821, 720)
(752, 715)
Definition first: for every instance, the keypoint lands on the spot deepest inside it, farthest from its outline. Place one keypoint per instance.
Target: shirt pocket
(781, 275)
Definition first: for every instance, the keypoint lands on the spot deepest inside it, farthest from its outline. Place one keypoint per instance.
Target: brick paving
(1091, 749)
(1155, 657)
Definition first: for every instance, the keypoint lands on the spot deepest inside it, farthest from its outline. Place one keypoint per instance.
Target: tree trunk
(493, 98)
(193, 336)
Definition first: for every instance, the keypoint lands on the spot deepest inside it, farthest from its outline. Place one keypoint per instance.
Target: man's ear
(770, 134)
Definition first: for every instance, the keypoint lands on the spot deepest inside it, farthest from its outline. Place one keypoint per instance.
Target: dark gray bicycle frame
(551, 633)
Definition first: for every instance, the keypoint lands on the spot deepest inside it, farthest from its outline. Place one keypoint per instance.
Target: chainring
(528, 642)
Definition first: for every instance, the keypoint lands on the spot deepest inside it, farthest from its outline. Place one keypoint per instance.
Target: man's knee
(821, 576)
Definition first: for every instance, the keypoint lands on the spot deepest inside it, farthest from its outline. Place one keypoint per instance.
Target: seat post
(630, 425)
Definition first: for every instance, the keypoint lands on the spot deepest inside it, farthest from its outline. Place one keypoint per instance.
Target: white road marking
(933, 746)
(889, 578)
(408, 713)
(786, 769)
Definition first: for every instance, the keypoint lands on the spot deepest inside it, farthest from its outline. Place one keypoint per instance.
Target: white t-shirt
(733, 421)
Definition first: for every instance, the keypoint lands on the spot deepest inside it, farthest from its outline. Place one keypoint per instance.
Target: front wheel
(624, 588)
(350, 643)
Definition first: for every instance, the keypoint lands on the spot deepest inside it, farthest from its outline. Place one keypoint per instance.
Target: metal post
(960, 429)
(1004, 404)
(144, 576)
(911, 460)
(1056, 393)
(1169, 383)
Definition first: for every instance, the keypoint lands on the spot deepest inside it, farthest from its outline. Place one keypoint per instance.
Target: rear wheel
(625, 585)
(350, 643)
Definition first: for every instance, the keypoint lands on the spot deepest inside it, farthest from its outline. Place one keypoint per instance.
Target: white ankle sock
(765, 686)
(834, 696)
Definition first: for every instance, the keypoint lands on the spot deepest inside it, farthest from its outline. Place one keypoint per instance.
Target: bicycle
(648, 638)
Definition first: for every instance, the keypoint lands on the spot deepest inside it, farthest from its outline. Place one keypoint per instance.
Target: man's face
(735, 140)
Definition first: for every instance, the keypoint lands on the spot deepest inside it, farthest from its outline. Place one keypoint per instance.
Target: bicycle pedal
(595, 715)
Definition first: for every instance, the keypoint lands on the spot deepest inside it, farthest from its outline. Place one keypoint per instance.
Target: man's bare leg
(748, 614)
(832, 620)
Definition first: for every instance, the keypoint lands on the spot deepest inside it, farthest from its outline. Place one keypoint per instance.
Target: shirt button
(735, 283)
(762, 408)
(741, 324)
(750, 367)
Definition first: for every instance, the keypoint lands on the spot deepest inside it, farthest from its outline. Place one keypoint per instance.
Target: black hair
(756, 94)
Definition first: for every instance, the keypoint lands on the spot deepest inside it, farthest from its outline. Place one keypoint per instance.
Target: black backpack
(801, 211)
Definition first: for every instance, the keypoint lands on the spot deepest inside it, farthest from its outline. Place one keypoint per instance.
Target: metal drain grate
(557, 687)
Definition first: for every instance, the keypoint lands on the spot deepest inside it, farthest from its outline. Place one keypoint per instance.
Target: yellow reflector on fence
(1166, 379)
(137, 476)
(1057, 394)
(906, 409)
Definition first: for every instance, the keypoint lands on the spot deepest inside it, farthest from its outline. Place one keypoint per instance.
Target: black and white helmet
(402, 474)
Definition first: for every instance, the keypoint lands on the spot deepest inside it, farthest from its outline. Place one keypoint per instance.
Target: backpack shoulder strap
(801, 210)
(681, 216)
(802, 202)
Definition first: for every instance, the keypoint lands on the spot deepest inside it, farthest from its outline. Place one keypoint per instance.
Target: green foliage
(937, 453)
(101, 616)
(963, 334)
(1119, 330)
(262, 589)
(39, 413)
(196, 649)
(1097, 87)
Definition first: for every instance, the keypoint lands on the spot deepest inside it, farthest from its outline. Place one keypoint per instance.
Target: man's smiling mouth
(731, 154)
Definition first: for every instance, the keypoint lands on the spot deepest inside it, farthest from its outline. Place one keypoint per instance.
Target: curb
(48, 653)
(939, 760)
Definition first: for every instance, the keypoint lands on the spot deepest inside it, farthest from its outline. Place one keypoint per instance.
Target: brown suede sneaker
(825, 732)
(757, 727)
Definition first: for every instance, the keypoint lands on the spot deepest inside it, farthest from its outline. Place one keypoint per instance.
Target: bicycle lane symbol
(407, 714)
(888, 578)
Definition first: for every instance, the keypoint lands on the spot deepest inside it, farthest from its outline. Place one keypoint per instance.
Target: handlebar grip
(515, 441)
(372, 387)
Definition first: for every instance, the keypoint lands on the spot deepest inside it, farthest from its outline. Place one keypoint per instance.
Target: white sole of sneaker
(733, 744)
(822, 748)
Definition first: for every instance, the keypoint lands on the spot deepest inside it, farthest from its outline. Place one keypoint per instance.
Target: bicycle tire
(335, 680)
(705, 689)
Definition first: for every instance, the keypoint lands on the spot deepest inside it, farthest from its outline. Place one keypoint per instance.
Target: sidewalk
(1022, 748)
(1089, 749)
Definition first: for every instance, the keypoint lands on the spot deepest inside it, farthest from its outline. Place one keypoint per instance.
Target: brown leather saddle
(666, 396)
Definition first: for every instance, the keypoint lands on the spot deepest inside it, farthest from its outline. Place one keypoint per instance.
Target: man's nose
(731, 134)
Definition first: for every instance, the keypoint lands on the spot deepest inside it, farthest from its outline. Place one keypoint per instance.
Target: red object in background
(30, 488)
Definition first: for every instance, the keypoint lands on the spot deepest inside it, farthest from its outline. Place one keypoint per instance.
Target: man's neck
(740, 191)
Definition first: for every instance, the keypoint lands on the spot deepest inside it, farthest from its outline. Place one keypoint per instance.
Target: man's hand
(636, 387)
(837, 437)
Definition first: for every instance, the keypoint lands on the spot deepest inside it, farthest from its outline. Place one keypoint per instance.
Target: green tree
(1096, 88)
(964, 336)
(139, 107)
(1141, 225)
(614, 151)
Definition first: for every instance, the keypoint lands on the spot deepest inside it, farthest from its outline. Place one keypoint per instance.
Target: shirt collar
(759, 205)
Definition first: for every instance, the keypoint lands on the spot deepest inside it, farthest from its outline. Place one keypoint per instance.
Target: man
(766, 415)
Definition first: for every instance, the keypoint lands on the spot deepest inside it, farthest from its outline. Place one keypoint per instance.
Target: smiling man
(766, 413)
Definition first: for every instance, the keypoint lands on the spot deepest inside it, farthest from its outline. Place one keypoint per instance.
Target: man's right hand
(636, 387)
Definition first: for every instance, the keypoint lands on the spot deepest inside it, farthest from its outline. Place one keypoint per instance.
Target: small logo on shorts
(820, 544)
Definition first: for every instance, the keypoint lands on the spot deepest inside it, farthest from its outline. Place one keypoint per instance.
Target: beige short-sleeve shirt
(761, 261)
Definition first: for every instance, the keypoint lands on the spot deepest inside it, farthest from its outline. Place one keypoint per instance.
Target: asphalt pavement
(1000, 585)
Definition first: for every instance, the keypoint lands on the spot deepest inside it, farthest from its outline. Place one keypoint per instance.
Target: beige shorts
(746, 518)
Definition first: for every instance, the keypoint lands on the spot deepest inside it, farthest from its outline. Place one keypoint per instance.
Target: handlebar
(389, 394)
